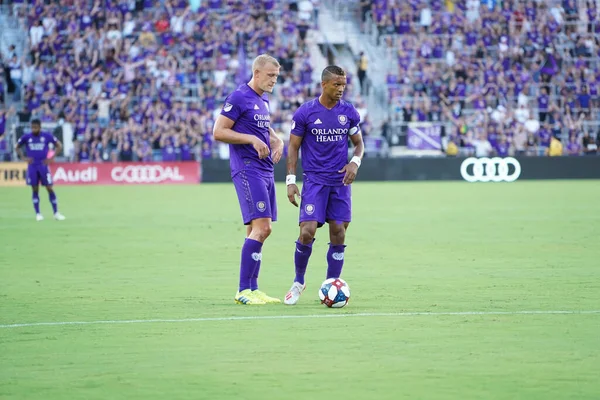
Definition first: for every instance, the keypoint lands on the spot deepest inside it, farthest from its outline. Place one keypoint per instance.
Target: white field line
(272, 317)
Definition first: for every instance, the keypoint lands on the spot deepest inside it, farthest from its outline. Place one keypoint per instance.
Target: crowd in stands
(503, 77)
(144, 80)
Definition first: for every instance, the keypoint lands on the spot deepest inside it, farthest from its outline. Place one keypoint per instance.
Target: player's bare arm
(222, 132)
(276, 146)
(292, 162)
(350, 170)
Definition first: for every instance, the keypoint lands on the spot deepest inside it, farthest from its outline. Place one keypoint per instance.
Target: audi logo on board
(495, 169)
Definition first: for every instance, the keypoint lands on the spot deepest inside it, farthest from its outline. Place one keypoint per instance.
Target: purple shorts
(256, 195)
(324, 203)
(37, 173)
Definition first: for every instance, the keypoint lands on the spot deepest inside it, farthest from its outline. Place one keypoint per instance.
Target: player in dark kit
(37, 144)
(244, 123)
(320, 128)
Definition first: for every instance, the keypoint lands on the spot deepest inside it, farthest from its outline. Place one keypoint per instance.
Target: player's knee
(307, 234)
(266, 230)
(337, 234)
(262, 231)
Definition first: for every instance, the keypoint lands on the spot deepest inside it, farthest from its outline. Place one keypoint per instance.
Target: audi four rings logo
(494, 169)
(145, 174)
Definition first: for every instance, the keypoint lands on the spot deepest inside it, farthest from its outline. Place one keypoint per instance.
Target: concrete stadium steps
(339, 28)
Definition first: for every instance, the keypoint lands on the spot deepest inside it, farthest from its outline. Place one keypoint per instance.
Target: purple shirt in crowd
(545, 137)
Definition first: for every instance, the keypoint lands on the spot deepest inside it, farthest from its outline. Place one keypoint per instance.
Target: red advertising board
(135, 173)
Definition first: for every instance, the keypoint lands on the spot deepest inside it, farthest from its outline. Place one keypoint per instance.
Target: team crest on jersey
(310, 209)
(342, 119)
(261, 206)
(42, 139)
(227, 107)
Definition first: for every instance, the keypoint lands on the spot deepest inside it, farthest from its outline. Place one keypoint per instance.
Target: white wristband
(356, 160)
(290, 180)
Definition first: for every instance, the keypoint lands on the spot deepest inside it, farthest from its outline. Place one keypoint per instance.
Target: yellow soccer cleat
(248, 298)
(263, 296)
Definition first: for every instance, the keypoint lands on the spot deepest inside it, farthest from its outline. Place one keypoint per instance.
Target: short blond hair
(262, 60)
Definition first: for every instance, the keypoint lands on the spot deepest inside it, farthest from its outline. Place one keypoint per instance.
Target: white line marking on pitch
(267, 317)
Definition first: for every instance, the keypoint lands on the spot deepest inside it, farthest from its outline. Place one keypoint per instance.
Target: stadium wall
(435, 169)
(374, 169)
(134, 173)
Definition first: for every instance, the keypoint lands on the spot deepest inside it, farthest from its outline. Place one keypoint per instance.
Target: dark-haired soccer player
(37, 144)
(320, 128)
(244, 123)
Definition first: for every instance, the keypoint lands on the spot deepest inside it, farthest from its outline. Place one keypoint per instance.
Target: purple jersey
(37, 146)
(545, 137)
(502, 149)
(543, 102)
(250, 114)
(186, 152)
(574, 148)
(325, 139)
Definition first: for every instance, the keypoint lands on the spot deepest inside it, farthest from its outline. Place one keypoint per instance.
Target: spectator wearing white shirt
(520, 140)
(305, 10)
(482, 146)
(103, 103)
(425, 16)
(178, 20)
(36, 32)
(128, 25)
(522, 113)
(361, 108)
(49, 24)
(473, 10)
(114, 35)
(28, 72)
(16, 76)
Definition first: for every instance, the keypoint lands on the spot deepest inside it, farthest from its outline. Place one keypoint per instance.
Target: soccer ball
(334, 293)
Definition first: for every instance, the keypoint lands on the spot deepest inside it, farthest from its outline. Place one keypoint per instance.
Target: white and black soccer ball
(334, 293)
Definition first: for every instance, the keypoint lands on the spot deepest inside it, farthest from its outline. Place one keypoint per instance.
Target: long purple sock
(251, 254)
(254, 279)
(53, 201)
(301, 256)
(335, 260)
(35, 198)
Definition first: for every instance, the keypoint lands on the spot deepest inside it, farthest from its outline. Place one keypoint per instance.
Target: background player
(37, 145)
(244, 123)
(321, 128)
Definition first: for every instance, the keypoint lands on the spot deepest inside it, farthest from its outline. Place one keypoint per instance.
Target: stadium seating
(501, 72)
(144, 80)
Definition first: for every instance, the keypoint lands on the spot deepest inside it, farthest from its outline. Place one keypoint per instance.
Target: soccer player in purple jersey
(320, 128)
(37, 144)
(244, 123)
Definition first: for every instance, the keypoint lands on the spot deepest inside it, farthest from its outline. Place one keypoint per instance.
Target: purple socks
(335, 260)
(250, 263)
(35, 198)
(301, 256)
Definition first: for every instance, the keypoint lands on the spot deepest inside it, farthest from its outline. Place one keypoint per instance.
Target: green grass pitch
(172, 252)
